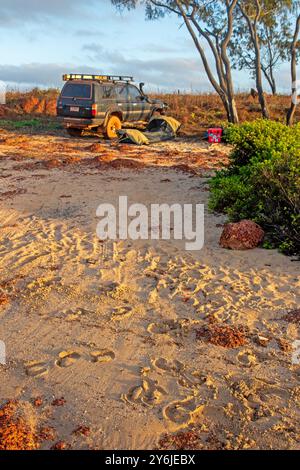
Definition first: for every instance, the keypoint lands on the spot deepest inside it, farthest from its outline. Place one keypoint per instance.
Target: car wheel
(113, 125)
(75, 132)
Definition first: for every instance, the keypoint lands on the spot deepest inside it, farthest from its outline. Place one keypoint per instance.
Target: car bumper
(81, 123)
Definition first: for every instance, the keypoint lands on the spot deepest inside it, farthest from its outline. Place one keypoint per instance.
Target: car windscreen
(77, 90)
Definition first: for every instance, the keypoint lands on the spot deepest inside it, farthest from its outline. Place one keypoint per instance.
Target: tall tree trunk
(291, 111)
(259, 83)
(270, 79)
(229, 82)
(252, 24)
(225, 86)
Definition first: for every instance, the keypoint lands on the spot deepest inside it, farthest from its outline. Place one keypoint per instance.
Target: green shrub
(262, 182)
(261, 140)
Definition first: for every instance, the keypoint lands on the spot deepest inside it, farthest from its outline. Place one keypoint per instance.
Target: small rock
(242, 235)
(262, 340)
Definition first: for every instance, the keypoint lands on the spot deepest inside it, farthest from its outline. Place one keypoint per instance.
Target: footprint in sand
(67, 358)
(181, 413)
(36, 368)
(275, 394)
(103, 355)
(169, 366)
(44, 282)
(75, 314)
(178, 369)
(193, 380)
(175, 327)
(119, 313)
(246, 358)
(148, 393)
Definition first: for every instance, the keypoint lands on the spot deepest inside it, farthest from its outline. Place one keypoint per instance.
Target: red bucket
(215, 135)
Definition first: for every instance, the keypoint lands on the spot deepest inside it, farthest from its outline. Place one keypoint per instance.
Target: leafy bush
(262, 182)
(261, 140)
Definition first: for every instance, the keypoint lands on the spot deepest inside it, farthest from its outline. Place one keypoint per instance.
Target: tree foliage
(256, 35)
(209, 21)
(274, 31)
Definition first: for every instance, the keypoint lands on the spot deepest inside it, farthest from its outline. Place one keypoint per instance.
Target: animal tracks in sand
(166, 380)
(68, 359)
(185, 378)
(169, 366)
(148, 393)
(103, 355)
(73, 314)
(170, 327)
(36, 368)
(181, 413)
(246, 358)
(120, 313)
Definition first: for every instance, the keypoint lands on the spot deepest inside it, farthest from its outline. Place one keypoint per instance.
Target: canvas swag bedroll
(159, 129)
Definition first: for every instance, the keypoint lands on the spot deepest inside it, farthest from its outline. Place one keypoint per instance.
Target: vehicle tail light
(94, 110)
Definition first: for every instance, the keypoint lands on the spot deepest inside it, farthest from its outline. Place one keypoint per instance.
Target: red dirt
(189, 440)
(61, 445)
(59, 402)
(82, 431)
(38, 401)
(293, 316)
(15, 432)
(9, 194)
(4, 299)
(47, 434)
(222, 335)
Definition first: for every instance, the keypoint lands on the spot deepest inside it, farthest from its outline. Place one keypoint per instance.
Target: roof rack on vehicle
(101, 78)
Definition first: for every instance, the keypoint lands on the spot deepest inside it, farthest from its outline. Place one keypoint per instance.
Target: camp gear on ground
(215, 135)
(159, 129)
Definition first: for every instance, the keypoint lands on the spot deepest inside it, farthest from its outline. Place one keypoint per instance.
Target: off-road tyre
(113, 125)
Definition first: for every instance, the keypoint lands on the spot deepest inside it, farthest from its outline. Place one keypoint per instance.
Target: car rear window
(76, 90)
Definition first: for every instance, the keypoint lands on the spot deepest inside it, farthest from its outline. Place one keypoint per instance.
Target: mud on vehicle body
(103, 103)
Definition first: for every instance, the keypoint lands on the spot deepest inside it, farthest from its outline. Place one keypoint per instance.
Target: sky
(42, 39)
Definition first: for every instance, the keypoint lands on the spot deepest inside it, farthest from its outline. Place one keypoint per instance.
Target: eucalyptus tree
(210, 25)
(274, 33)
(294, 49)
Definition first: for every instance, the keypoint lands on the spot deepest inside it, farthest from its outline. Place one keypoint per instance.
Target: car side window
(122, 92)
(107, 92)
(133, 93)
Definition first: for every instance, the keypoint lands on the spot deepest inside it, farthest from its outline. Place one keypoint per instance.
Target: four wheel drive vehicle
(102, 103)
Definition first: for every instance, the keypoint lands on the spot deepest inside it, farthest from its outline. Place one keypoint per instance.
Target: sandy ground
(121, 339)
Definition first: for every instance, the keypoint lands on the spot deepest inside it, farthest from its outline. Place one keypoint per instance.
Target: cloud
(17, 11)
(164, 73)
(88, 33)
(37, 74)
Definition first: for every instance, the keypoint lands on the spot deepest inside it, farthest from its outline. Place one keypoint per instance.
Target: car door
(107, 99)
(139, 106)
(122, 101)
